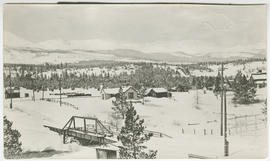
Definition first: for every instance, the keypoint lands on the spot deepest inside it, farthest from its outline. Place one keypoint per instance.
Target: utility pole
(226, 143)
(34, 85)
(10, 90)
(42, 91)
(221, 98)
(197, 96)
(60, 92)
(60, 85)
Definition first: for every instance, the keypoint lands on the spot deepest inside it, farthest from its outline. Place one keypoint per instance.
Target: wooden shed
(158, 92)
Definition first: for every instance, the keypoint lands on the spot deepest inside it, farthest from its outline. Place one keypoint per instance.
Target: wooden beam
(67, 123)
(84, 121)
(88, 118)
(74, 124)
(96, 126)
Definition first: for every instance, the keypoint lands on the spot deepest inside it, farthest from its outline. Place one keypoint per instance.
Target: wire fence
(236, 125)
(62, 102)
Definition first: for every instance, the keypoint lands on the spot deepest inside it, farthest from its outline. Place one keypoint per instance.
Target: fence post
(256, 127)
(255, 124)
(246, 123)
(211, 131)
(183, 131)
(194, 131)
(204, 131)
(236, 125)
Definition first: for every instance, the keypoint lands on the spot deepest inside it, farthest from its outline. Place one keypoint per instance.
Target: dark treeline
(145, 75)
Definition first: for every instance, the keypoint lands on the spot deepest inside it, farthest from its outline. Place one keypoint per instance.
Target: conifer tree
(217, 85)
(12, 145)
(120, 104)
(132, 137)
(244, 90)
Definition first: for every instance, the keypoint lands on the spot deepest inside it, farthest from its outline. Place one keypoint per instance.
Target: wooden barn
(157, 92)
(130, 93)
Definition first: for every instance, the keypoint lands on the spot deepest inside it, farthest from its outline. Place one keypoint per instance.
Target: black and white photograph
(134, 81)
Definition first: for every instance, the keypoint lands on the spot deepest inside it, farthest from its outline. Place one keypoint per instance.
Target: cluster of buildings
(132, 94)
(259, 78)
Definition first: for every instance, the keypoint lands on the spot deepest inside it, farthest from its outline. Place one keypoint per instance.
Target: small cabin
(130, 93)
(158, 92)
(260, 79)
(13, 92)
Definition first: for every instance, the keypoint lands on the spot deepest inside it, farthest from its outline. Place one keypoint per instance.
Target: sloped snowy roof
(157, 90)
(111, 90)
(160, 90)
(262, 76)
(260, 82)
(115, 90)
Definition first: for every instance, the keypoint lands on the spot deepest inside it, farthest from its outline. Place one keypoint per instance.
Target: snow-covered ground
(170, 116)
(232, 69)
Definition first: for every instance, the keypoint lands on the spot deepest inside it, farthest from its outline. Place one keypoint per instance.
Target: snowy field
(177, 117)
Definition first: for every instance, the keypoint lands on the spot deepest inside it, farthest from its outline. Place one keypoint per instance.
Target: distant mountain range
(39, 55)
(19, 50)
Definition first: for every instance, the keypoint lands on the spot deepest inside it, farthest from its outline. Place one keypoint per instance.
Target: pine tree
(120, 104)
(244, 90)
(217, 85)
(132, 137)
(12, 145)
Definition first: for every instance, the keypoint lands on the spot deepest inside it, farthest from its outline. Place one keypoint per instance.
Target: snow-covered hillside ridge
(39, 55)
(18, 50)
(186, 70)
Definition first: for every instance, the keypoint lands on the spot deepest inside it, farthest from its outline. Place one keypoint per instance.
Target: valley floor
(192, 122)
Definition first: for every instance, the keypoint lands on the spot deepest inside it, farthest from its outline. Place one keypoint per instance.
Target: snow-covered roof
(111, 90)
(260, 82)
(160, 90)
(262, 76)
(115, 90)
(157, 90)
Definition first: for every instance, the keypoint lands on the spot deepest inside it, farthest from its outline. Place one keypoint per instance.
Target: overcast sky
(150, 28)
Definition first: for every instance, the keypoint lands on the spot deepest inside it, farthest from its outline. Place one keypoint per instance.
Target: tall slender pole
(10, 90)
(221, 98)
(43, 92)
(226, 143)
(197, 96)
(60, 91)
(60, 85)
